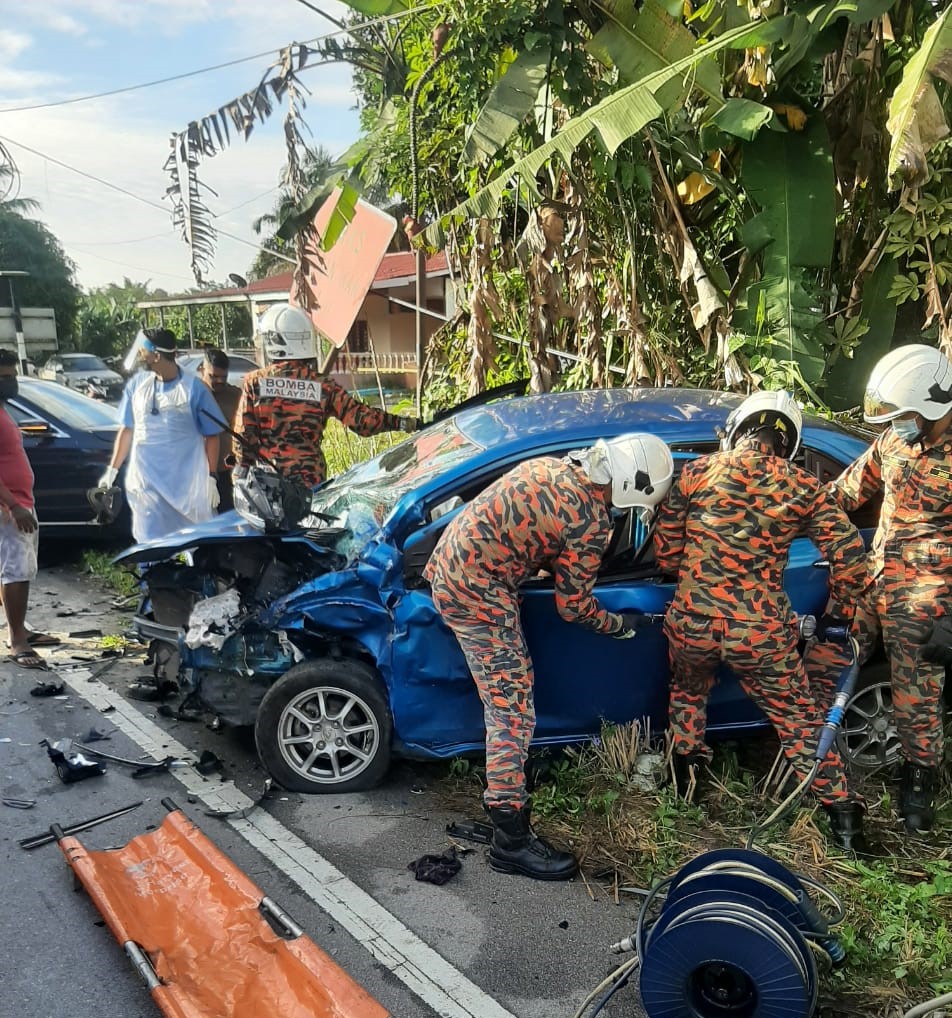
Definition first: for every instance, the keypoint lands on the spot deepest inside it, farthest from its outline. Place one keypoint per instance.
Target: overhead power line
(216, 67)
(137, 197)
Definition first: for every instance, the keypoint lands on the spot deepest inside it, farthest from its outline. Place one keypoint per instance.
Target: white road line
(421, 969)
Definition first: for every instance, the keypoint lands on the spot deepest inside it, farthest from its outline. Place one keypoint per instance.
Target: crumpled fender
(337, 603)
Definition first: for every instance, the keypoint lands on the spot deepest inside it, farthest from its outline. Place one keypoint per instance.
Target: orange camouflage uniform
(284, 410)
(725, 531)
(910, 579)
(544, 513)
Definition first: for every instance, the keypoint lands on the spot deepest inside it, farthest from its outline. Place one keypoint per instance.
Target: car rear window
(72, 408)
(84, 364)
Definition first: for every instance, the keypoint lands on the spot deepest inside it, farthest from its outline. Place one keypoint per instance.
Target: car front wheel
(325, 726)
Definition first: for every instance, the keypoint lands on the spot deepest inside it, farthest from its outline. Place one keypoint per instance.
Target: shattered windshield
(361, 499)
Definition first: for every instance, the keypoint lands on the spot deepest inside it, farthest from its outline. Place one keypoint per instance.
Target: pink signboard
(337, 281)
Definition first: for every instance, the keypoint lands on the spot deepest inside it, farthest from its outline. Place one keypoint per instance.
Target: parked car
(86, 373)
(68, 439)
(238, 366)
(327, 640)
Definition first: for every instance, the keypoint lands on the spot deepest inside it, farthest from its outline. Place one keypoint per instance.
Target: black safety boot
(917, 796)
(846, 826)
(516, 849)
(688, 770)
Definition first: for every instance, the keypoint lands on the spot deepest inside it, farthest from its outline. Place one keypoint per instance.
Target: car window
(85, 363)
(68, 406)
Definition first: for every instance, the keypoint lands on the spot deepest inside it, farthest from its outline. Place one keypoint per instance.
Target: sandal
(28, 659)
(42, 639)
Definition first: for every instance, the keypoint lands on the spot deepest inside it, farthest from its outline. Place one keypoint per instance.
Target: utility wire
(130, 194)
(217, 67)
(133, 88)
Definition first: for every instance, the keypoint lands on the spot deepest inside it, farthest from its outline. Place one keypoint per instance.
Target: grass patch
(342, 448)
(898, 925)
(99, 564)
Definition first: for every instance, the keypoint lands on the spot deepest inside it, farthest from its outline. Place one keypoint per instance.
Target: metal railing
(363, 363)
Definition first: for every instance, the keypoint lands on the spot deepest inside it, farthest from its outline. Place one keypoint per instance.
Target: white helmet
(285, 333)
(776, 411)
(639, 468)
(910, 379)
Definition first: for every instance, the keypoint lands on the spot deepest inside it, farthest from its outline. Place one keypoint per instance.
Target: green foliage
(27, 245)
(790, 178)
(900, 923)
(916, 117)
(920, 233)
(100, 564)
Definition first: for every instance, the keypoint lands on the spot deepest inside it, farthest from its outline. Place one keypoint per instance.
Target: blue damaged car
(326, 639)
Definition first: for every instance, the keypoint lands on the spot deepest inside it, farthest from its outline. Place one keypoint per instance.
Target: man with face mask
(910, 562)
(19, 531)
(170, 434)
(213, 371)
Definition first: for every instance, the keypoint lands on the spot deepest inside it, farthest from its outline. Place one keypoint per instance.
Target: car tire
(325, 726)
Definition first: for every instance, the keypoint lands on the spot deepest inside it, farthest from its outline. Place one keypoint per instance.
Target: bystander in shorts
(17, 552)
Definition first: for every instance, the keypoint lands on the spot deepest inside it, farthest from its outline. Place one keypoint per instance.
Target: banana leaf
(341, 216)
(511, 100)
(637, 42)
(739, 118)
(616, 118)
(377, 8)
(790, 178)
(811, 19)
(916, 118)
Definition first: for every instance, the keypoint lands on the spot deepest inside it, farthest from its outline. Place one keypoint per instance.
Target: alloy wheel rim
(328, 735)
(868, 738)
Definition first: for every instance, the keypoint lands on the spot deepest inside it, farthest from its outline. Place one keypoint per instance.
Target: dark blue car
(326, 639)
(68, 439)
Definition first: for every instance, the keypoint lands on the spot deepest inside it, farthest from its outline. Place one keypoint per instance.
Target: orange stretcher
(203, 937)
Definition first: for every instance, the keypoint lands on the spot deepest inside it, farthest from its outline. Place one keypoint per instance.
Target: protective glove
(633, 622)
(827, 626)
(937, 647)
(410, 424)
(108, 479)
(213, 495)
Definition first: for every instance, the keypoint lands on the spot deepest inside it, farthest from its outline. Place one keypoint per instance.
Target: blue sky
(59, 49)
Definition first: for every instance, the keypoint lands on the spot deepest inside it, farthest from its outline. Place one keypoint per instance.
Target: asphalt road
(483, 945)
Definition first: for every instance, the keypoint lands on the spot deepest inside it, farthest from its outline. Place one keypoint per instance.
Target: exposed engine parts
(205, 620)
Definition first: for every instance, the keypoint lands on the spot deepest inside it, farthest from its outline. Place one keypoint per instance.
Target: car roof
(545, 423)
(597, 412)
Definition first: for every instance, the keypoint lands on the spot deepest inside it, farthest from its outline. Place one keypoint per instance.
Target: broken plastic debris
(70, 765)
(18, 803)
(213, 620)
(208, 763)
(48, 689)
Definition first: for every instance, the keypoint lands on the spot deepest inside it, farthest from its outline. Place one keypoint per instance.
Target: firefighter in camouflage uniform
(545, 513)
(725, 531)
(285, 406)
(910, 562)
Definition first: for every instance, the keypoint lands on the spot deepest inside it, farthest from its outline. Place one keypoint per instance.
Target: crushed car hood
(229, 527)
